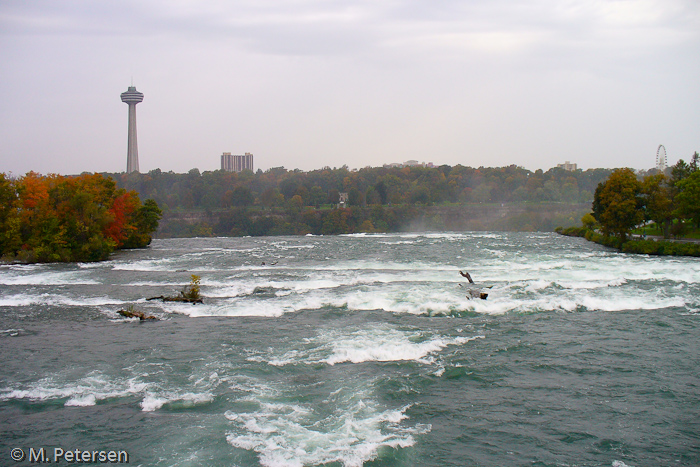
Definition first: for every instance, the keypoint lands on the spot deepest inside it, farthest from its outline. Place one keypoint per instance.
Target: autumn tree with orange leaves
(79, 218)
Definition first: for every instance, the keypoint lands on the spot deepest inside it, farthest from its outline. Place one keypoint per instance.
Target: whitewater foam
(82, 392)
(47, 278)
(83, 400)
(293, 434)
(22, 300)
(152, 402)
(96, 386)
(379, 344)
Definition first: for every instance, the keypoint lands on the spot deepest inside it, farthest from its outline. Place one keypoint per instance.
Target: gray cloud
(306, 83)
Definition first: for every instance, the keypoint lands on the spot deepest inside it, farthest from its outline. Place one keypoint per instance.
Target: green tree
(380, 188)
(333, 196)
(617, 203)
(589, 221)
(482, 193)
(146, 219)
(316, 196)
(372, 197)
(420, 195)
(271, 197)
(682, 170)
(10, 239)
(336, 222)
(658, 201)
(355, 197)
(688, 199)
(294, 204)
(242, 196)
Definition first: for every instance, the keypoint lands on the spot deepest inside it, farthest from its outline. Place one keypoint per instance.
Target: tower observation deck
(132, 97)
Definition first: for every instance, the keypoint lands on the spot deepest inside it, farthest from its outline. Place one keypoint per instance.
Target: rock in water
(137, 314)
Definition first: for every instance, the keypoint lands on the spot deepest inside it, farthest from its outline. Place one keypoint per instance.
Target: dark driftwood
(177, 299)
(137, 314)
(466, 274)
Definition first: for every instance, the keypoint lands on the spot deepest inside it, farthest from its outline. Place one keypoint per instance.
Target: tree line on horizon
(379, 199)
(278, 187)
(56, 218)
(86, 217)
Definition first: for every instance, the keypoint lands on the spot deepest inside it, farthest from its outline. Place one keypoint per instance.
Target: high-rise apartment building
(235, 163)
(567, 166)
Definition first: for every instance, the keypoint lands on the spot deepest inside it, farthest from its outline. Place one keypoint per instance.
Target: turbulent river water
(357, 351)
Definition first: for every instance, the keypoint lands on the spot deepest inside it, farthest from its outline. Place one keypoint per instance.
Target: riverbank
(646, 246)
(502, 217)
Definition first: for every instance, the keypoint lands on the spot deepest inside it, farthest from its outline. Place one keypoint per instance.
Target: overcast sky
(312, 83)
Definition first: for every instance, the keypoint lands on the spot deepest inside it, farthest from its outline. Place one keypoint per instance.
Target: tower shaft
(132, 153)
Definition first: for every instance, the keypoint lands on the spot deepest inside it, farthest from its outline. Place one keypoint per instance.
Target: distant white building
(410, 163)
(234, 163)
(567, 166)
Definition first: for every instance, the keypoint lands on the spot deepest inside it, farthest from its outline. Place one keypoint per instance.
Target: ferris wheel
(661, 158)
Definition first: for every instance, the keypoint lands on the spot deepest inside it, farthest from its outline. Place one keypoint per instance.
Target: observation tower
(132, 97)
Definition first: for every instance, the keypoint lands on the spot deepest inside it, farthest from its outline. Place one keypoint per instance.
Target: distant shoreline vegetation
(415, 185)
(56, 218)
(86, 217)
(373, 199)
(326, 220)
